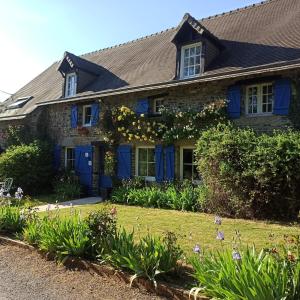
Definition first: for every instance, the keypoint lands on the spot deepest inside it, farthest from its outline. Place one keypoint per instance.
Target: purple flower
(236, 255)
(218, 220)
(220, 235)
(197, 249)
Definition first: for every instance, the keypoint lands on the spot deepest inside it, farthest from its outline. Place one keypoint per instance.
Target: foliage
(12, 219)
(30, 166)
(250, 175)
(102, 225)
(64, 236)
(250, 275)
(172, 125)
(32, 231)
(148, 257)
(16, 135)
(180, 197)
(109, 163)
(67, 186)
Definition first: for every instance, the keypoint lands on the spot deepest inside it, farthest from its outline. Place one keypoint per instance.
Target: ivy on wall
(122, 123)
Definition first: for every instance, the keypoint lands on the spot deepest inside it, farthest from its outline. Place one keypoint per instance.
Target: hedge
(250, 175)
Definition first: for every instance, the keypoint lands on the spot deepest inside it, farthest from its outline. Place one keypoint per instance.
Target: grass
(195, 228)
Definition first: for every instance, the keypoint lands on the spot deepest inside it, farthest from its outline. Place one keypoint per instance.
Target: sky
(35, 33)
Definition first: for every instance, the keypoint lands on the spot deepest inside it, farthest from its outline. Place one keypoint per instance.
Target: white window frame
(259, 99)
(147, 178)
(84, 115)
(181, 162)
(157, 106)
(183, 48)
(72, 91)
(66, 157)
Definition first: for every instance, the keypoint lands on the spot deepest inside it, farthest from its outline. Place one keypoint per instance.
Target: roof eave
(175, 83)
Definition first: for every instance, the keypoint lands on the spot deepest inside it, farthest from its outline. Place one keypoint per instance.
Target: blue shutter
(142, 106)
(95, 114)
(74, 116)
(170, 163)
(282, 96)
(124, 162)
(83, 169)
(159, 163)
(234, 101)
(57, 157)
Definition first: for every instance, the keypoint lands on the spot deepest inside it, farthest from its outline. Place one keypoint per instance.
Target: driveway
(25, 275)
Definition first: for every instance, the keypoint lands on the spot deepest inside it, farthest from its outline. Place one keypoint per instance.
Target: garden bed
(164, 289)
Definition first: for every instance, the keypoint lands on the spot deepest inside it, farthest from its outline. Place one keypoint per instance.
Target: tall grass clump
(12, 219)
(64, 236)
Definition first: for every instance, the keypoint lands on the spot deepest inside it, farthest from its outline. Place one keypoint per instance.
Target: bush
(12, 220)
(148, 257)
(102, 225)
(67, 186)
(249, 275)
(29, 165)
(182, 196)
(250, 175)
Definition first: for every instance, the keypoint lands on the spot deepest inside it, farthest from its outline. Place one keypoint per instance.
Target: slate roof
(261, 35)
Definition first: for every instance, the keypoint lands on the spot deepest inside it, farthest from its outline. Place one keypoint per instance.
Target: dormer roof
(72, 62)
(188, 23)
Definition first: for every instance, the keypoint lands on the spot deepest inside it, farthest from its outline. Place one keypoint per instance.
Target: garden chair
(6, 185)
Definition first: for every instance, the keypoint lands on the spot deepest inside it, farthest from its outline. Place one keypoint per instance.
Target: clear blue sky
(35, 33)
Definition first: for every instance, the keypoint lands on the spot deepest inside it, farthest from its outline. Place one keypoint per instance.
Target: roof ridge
(255, 5)
(172, 28)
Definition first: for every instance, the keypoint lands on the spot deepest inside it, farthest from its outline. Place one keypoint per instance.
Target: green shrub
(250, 175)
(251, 276)
(12, 220)
(67, 186)
(64, 236)
(102, 225)
(29, 165)
(149, 257)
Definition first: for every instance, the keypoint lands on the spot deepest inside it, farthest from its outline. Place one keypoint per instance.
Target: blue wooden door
(84, 166)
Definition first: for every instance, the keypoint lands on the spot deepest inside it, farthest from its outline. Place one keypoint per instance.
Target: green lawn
(193, 228)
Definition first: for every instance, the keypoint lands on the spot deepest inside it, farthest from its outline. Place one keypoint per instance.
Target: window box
(82, 130)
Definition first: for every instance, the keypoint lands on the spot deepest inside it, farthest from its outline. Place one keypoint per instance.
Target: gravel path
(25, 275)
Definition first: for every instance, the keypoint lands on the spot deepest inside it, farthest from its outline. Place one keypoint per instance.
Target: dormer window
(191, 60)
(71, 85)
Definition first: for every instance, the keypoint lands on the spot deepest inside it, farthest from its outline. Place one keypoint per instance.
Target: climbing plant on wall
(122, 123)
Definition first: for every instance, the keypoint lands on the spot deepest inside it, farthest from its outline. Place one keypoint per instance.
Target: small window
(158, 105)
(188, 166)
(71, 83)
(260, 99)
(70, 158)
(87, 115)
(145, 166)
(191, 60)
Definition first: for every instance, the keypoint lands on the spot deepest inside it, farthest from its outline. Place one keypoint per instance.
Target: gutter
(9, 118)
(176, 83)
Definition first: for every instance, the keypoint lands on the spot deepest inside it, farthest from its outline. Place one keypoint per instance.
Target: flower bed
(272, 273)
